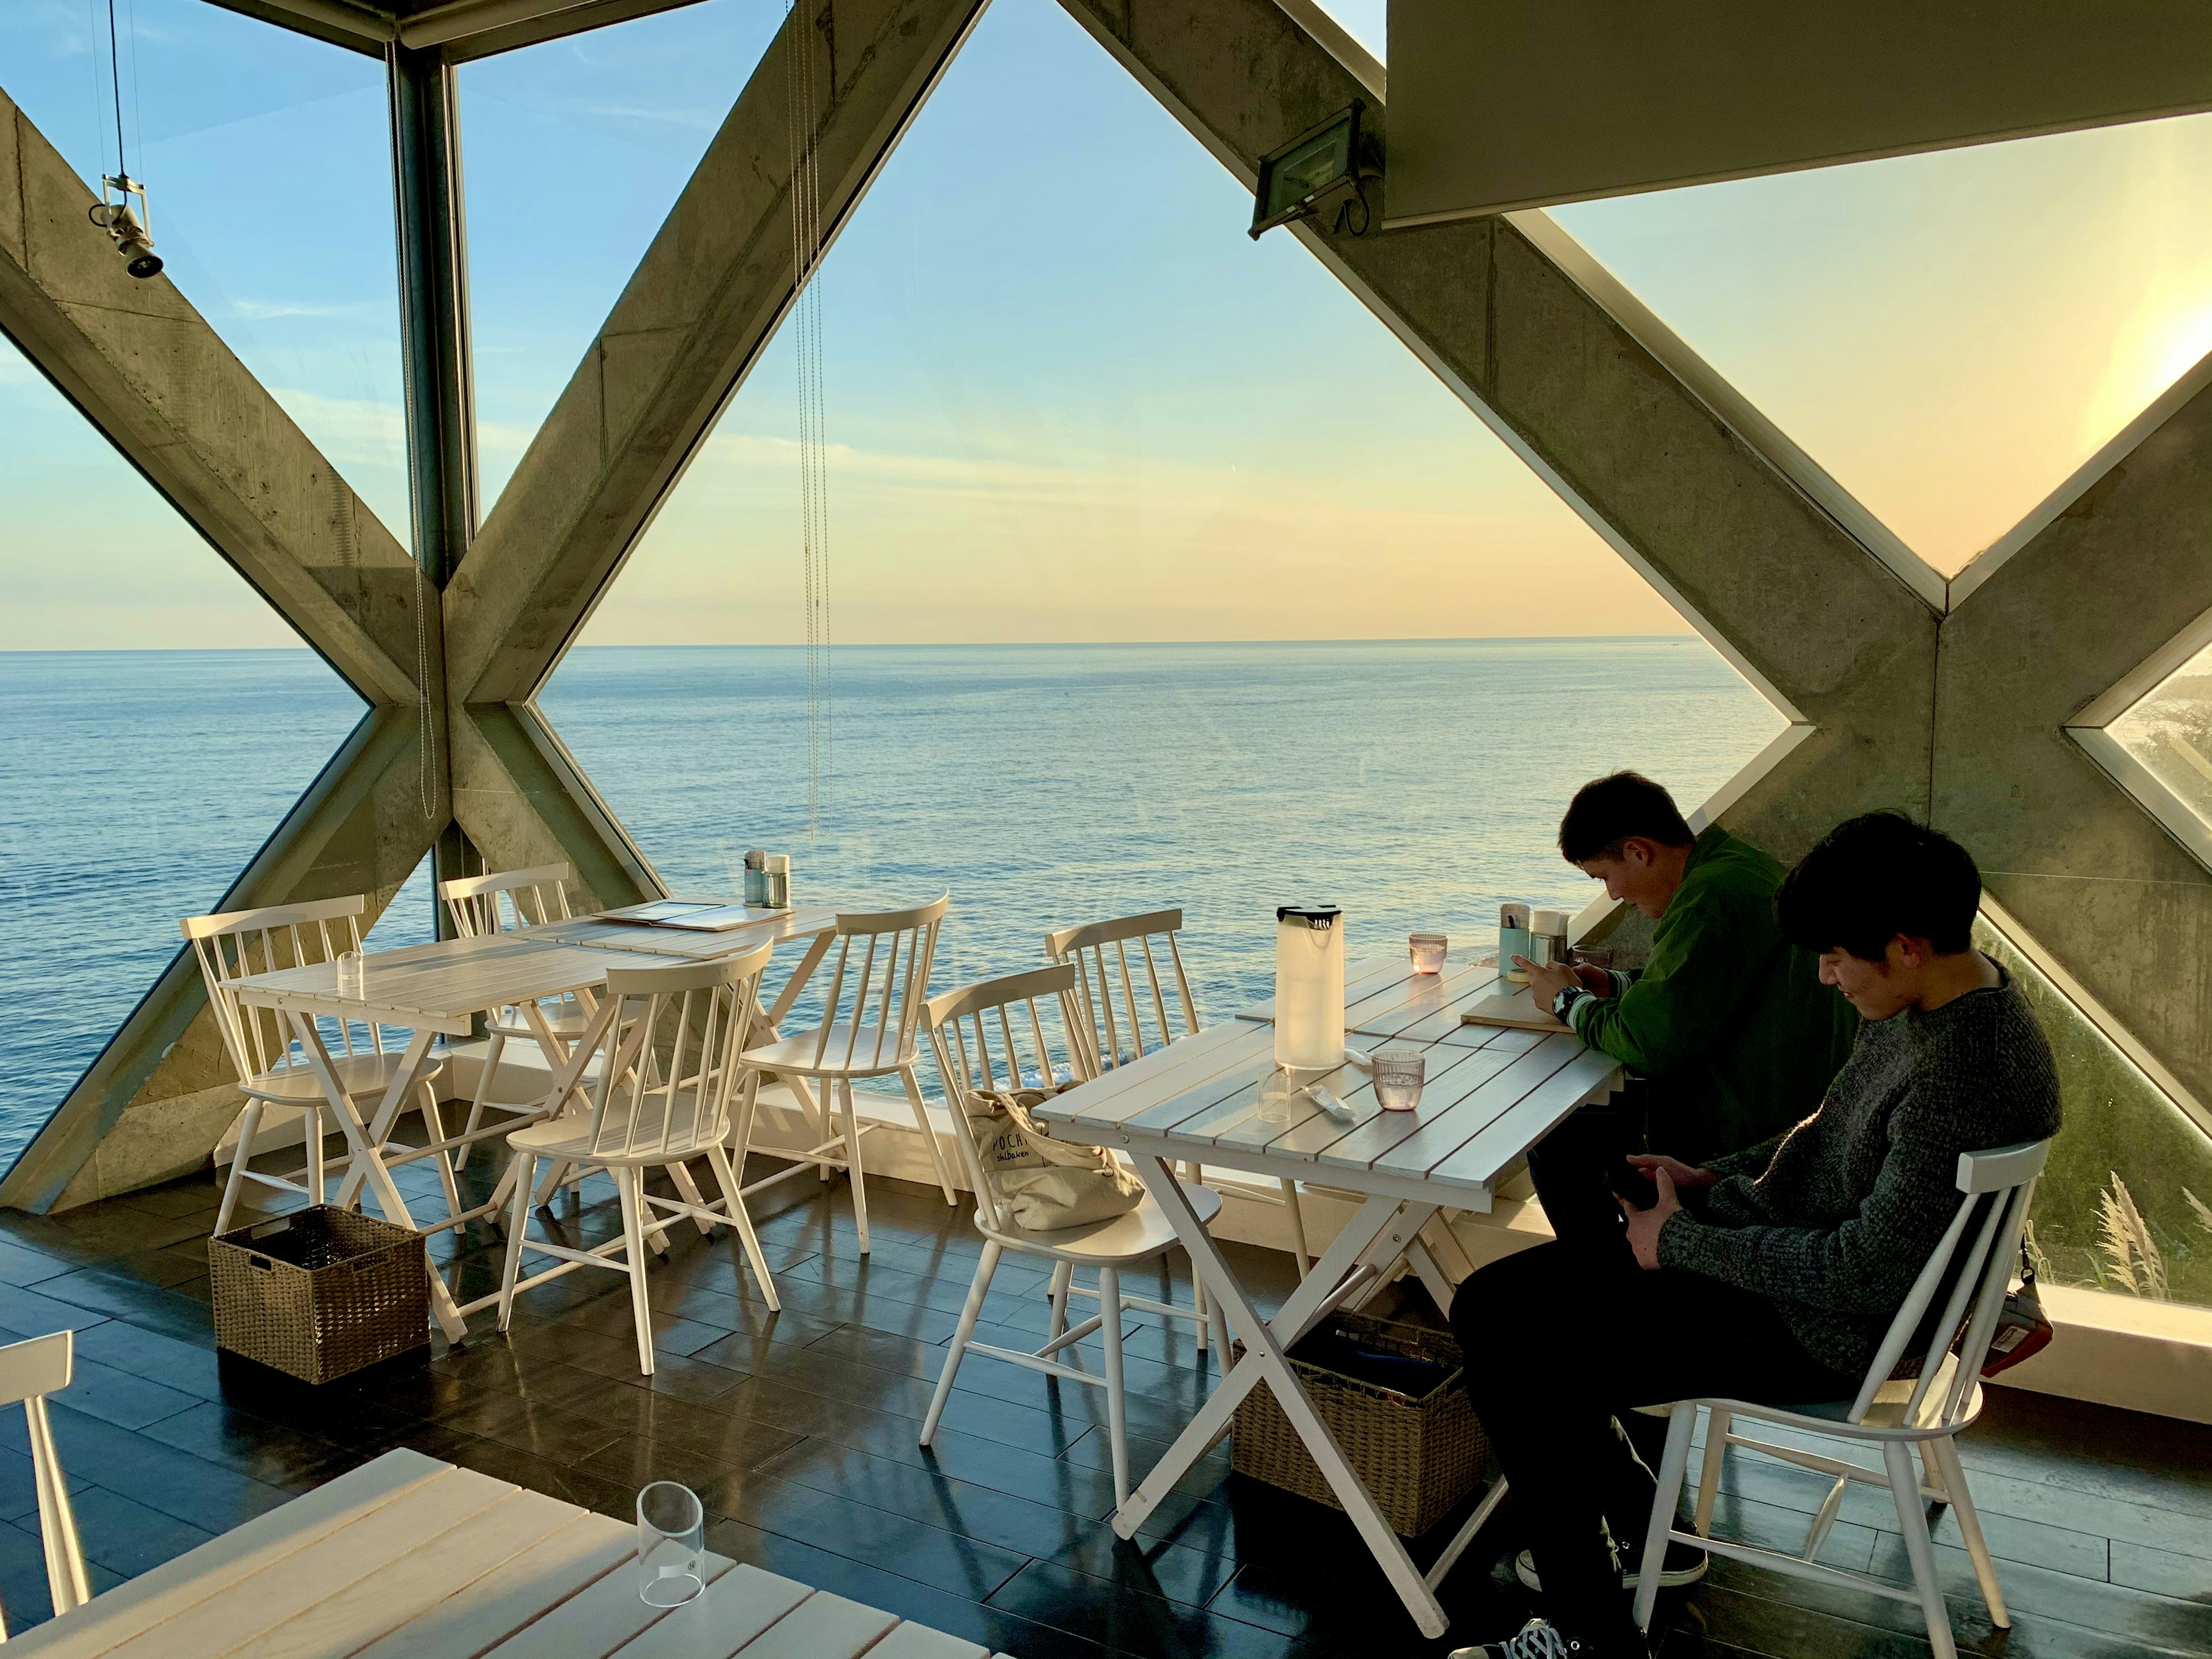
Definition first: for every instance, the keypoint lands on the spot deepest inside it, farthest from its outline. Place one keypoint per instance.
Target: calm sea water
(1416, 785)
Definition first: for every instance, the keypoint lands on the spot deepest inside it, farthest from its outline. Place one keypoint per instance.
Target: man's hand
(1547, 979)
(1685, 1176)
(1644, 1225)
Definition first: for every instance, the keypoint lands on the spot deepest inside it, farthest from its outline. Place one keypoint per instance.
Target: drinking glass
(1276, 1094)
(1427, 951)
(351, 977)
(671, 1537)
(1398, 1075)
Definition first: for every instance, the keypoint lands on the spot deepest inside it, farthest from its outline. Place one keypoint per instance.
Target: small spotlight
(114, 215)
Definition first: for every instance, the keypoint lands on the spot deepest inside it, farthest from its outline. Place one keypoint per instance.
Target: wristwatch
(1566, 999)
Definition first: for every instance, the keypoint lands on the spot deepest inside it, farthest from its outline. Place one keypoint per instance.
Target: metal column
(433, 327)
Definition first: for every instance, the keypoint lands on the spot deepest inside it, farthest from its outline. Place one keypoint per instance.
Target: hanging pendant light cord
(806, 339)
(115, 77)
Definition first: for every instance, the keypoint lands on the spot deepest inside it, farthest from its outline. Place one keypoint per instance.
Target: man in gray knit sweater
(1773, 1274)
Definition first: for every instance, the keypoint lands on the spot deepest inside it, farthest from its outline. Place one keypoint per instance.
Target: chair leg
(853, 1161)
(687, 1189)
(1117, 1419)
(1199, 1304)
(1919, 1548)
(1946, 1453)
(1709, 1473)
(1063, 1275)
(434, 1120)
(311, 1133)
(555, 1173)
(1681, 1423)
(725, 1176)
(1218, 1317)
(248, 1126)
(1297, 1226)
(928, 1134)
(495, 1046)
(66, 1583)
(970, 1311)
(628, 1183)
(523, 1171)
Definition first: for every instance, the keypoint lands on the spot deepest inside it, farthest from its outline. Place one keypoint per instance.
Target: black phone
(1631, 1184)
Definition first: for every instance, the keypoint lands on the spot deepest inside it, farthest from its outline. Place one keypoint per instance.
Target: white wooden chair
(272, 1072)
(870, 1027)
(511, 901)
(996, 1036)
(1117, 1003)
(670, 1086)
(29, 1371)
(1974, 1262)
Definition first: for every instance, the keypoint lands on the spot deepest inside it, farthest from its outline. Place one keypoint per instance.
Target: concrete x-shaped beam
(1950, 701)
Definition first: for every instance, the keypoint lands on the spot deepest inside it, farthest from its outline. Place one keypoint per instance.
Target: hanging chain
(806, 341)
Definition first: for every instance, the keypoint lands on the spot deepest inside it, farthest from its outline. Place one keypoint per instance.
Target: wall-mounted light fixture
(1324, 164)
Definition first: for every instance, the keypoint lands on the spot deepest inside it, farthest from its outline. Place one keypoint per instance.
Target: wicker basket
(320, 1292)
(1417, 1457)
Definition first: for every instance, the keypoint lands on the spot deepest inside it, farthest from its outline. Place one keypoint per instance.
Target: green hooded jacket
(1728, 1020)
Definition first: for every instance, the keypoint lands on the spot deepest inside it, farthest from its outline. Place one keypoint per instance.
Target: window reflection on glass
(2125, 1203)
(2170, 732)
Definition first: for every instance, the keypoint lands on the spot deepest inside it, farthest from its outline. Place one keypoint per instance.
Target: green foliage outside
(2114, 1210)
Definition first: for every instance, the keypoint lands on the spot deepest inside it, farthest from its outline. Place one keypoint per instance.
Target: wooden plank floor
(798, 1429)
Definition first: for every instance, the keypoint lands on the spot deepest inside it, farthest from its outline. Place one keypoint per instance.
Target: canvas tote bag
(1042, 1183)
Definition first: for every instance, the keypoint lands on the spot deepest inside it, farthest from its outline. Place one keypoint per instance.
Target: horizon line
(905, 645)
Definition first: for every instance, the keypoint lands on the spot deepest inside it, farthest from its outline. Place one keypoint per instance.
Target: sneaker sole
(1525, 1570)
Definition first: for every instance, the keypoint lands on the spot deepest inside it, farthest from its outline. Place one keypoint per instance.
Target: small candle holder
(1426, 951)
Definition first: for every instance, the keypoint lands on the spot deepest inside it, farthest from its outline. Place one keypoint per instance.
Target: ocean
(1416, 784)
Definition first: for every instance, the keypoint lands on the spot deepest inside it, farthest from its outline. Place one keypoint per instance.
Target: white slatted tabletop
(1489, 1096)
(605, 932)
(407, 1557)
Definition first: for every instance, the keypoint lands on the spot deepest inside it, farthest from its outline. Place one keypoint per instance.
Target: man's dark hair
(1606, 812)
(1875, 877)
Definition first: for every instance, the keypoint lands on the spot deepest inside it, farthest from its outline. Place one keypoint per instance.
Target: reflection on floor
(798, 1430)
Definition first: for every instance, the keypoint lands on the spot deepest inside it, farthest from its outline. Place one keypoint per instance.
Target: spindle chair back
(871, 1021)
(273, 1069)
(1119, 1001)
(1025, 1031)
(656, 1078)
(1130, 1008)
(506, 901)
(1971, 1269)
(29, 1371)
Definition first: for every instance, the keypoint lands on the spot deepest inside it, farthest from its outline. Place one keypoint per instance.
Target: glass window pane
(575, 150)
(1161, 575)
(137, 776)
(2125, 1204)
(1951, 334)
(267, 163)
(2170, 732)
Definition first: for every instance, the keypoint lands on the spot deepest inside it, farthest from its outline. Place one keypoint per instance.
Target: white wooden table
(407, 1557)
(1489, 1095)
(437, 988)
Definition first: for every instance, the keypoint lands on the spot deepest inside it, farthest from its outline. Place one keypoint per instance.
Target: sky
(1067, 398)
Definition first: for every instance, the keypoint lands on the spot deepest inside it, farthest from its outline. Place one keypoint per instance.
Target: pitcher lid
(1313, 916)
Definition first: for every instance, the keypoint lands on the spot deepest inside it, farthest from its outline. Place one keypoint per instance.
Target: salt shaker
(1548, 930)
(776, 873)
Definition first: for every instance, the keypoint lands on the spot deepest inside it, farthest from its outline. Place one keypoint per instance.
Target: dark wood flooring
(799, 1429)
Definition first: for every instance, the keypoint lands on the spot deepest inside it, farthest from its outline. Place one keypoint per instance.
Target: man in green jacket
(1727, 1031)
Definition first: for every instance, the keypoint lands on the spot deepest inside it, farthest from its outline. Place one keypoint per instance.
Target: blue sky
(1067, 398)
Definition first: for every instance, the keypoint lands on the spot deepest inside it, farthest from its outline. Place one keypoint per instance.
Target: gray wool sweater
(1834, 1220)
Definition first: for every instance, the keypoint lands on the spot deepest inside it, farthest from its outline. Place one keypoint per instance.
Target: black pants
(1581, 1167)
(1556, 1347)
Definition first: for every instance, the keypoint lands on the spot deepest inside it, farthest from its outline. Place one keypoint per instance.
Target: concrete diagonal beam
(149, 373)
(692, 320)
(1830, 630)
(2119, 565)
(157, 381)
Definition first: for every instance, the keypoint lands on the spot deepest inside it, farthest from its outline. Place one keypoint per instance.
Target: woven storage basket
(320, 1292)
(1417, 1457)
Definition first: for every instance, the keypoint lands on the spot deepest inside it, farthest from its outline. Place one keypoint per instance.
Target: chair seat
(1141, 1233)
(800, 1054)
(569, 1138)
(567, 1017)
(361, 1075)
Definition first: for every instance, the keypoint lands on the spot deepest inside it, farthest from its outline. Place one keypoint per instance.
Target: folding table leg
(1264, 1359)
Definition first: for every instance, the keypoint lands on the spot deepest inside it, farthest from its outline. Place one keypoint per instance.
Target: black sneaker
(1542, 1639)
(1686, 1563)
